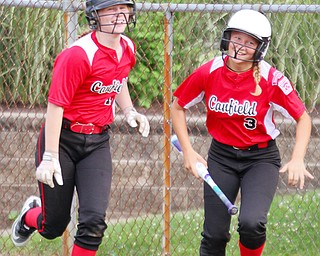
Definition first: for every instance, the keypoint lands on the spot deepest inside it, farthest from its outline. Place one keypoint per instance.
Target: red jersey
(86, 78)
(234, 116)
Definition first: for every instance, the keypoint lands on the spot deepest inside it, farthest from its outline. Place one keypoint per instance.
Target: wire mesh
(30, 40)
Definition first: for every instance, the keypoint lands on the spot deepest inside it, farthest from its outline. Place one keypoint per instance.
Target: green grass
(293, 229)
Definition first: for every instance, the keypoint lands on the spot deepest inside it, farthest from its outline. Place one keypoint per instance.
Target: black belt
(83, 128)
(257, 146)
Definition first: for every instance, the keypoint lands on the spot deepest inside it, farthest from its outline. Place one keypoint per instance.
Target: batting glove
(132, 117)
(49, 168)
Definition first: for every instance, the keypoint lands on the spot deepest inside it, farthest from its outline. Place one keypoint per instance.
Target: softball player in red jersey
(73, 150)
(241, 92)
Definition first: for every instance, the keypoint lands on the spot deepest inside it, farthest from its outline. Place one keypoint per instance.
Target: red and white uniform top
(234, 116)
(87, 76)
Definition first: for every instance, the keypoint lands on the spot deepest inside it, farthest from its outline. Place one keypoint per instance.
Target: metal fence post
(167, 130)
(70, 18)
(69, 233)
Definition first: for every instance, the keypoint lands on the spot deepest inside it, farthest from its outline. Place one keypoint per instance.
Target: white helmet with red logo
(252, 23)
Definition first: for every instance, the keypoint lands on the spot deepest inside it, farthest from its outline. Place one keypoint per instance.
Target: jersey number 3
(250, 123)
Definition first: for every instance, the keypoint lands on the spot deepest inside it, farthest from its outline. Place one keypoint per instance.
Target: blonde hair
(84, 33)
(257, 78)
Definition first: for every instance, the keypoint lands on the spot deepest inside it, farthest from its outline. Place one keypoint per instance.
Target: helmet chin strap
(114, 25)
(233, 70)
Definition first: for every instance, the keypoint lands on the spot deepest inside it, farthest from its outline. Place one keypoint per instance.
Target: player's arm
(53, 127)
(296, 166)
(180, 127)
(123, 99)
(50, 166)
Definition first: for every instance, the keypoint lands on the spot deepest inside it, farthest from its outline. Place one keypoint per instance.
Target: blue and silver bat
(204, 174)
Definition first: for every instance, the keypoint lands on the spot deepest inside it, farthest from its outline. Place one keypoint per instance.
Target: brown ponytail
(257, 78)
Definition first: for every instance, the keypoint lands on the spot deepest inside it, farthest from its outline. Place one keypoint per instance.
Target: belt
(83, 128)
(253, 147)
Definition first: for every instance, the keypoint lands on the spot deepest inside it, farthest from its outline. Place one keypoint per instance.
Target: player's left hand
(296, 172)
(49, 168)
(133, 118)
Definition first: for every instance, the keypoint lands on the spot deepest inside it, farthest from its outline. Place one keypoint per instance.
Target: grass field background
(293, 230)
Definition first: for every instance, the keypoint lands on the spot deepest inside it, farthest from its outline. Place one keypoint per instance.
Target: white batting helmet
(252, 23)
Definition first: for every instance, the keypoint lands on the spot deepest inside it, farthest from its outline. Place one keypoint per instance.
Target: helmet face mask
(252, 23)
(94, 19)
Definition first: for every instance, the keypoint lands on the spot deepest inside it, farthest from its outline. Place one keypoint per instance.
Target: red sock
(244, 251)
(31, 217)
(79, 251)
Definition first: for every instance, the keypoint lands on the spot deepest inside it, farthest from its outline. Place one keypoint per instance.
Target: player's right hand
(49, 168)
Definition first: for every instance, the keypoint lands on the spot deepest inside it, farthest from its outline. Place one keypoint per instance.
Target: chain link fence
(155, 206)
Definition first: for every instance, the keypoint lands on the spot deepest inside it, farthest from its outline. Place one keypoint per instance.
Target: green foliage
(191, 46)
(294, 51)
(196, 43)
(31, 38)
(146, 80)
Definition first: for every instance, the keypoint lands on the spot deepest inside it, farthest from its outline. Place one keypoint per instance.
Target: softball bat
(204, 174)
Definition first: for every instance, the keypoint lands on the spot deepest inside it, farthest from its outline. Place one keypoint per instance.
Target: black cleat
(20, 233)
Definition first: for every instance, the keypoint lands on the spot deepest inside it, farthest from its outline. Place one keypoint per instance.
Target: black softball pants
(255, 172)
(86, 165)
